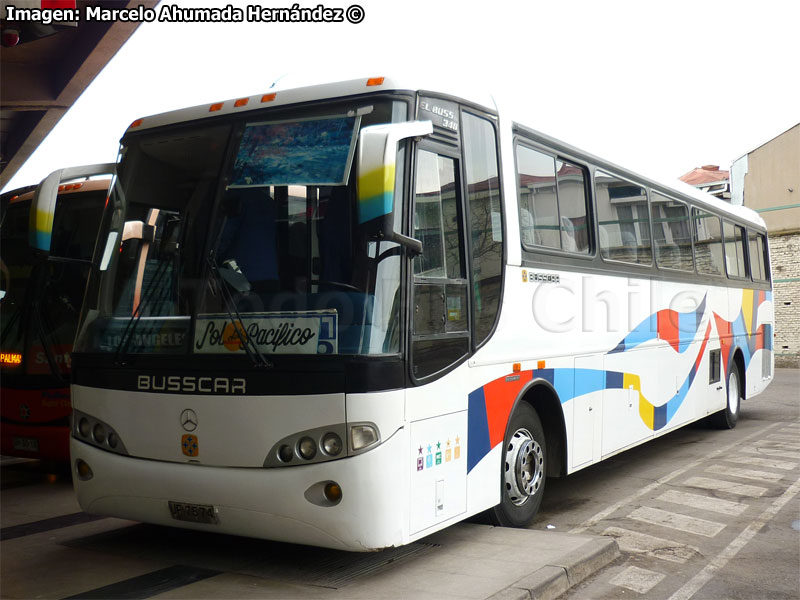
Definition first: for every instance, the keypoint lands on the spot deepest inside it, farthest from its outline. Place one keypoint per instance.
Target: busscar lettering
(189, 384)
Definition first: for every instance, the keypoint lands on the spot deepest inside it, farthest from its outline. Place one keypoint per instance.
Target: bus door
(439, 339)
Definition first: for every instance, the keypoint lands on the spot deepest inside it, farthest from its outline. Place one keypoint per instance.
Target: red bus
(40, 300)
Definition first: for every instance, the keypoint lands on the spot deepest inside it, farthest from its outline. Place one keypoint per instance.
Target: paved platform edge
(553, 580)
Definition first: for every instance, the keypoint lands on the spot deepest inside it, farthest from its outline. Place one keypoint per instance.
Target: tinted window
(624, 220)
(486, 222)
(673, 242)
(707, 233)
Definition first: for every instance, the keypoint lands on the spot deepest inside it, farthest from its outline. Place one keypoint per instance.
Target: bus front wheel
(523, 470)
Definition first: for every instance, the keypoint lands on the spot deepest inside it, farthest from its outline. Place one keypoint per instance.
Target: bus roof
(283, 93)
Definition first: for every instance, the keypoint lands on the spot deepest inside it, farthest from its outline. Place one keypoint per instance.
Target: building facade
(767, 180)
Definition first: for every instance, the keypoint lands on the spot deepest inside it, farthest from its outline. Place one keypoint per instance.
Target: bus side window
(624, 220)
(707, 233)
(485, 221)
(758, 264)
(734, 249)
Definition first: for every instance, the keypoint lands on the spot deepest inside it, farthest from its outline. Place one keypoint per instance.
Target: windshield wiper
(250, 347)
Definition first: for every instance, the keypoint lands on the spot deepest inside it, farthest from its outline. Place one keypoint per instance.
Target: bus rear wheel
(523, 471)
(728, 416)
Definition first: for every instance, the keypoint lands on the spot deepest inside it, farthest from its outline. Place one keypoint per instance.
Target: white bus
(350, 315)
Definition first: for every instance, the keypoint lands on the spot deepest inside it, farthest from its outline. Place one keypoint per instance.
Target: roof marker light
(136, 123)
(215, 107)
(241, 102)
(268, 97)
(374, 81)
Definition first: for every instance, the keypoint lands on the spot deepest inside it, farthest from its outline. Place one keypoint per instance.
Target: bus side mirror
(377, 155)
(43, 207)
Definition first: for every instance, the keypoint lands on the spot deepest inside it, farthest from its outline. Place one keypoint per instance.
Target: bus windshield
(244, 238)
(42, 299)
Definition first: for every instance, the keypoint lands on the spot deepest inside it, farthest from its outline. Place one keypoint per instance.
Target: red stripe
(668, 328)
(500, 395)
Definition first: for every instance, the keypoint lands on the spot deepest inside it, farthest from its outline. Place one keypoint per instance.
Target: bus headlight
(332, 444)
(93, 431)
(307, 448)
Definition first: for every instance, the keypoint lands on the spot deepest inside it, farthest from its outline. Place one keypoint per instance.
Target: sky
(657, 87)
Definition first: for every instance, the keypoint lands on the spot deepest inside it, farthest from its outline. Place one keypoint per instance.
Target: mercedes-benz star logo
(189, 420)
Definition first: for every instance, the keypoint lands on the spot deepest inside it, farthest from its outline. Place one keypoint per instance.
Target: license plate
(196, 513)
(26, 444)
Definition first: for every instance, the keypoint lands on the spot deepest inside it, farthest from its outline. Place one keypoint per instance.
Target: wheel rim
(523, 468)
(733, 393)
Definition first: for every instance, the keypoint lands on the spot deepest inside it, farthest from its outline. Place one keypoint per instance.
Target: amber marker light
(540, 364)
(374, 81)
(241, 102)
(333, 492)
(136, 123)
(517, 367)
(215, 107)
(268, 97)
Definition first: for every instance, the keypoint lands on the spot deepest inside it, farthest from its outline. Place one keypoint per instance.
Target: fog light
(332, 444)
(83, 427)
(285, 453)
(333, 492)
(307, 448)
(99, 433)
(362, 436)
(83, 470)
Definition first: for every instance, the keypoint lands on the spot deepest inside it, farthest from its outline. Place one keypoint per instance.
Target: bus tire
(728, 416)
(523, 470)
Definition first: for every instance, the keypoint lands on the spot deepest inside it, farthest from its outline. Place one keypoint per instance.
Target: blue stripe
(477, 429)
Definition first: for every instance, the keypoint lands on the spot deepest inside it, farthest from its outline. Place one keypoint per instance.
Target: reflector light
(136, 123)
(517, 367)
(374, 81)
(10, 358)
(215, 107)
(241, 102)
(268, 97)
(540, 364)
(14, 198)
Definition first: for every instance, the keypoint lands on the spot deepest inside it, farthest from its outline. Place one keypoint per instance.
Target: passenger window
(758, 264)
(671, 233)
(624, 220)
(486, 221)
(707, 232)
(734, 249)
(552, 200)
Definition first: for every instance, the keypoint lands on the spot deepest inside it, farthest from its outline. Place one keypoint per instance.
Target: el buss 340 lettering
(406, 371)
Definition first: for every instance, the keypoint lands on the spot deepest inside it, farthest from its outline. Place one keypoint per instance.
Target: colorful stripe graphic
(739, 333)
(676, 328)
(490, 405)
(376, 193)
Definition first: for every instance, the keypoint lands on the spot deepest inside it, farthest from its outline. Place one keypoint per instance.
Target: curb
(553, 580)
